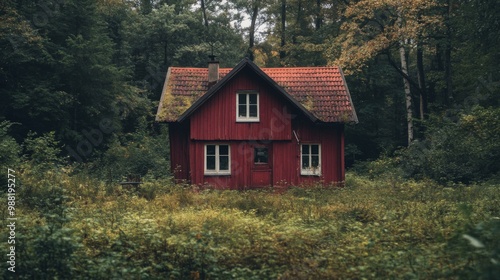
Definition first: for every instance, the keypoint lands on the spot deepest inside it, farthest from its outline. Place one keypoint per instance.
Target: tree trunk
(283, 30)
(297, 25)
(421, 82)
(447, 56)
(255, 11)
(319, 17)
(406, 82)
(409, 111)
(165, 54)
(204, 11)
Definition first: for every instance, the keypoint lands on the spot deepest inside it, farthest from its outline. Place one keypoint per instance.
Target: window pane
(253, 111)
(315, 161)
(210, 162)
(242, 99)
(261, 155)
(315, 149)
(253, 98)
(210, 149)
(223, 150)
(305, 162)
(305, 149)
(242, 110)
(224, 163)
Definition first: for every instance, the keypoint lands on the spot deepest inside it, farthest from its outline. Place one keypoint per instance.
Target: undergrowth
(74, 227)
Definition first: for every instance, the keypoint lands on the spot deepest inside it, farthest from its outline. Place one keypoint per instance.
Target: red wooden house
(252, 127)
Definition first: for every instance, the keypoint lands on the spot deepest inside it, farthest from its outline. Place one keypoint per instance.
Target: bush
(136, 155)
(480, 245)
(44, 243)
(43, 152)
(464, 150)
(373, 228)
(9, 148)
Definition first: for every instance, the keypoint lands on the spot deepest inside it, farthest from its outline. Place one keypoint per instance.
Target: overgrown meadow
(71, 226)
(430, 210)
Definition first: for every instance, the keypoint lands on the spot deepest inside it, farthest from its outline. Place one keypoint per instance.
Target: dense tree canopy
(80, 82)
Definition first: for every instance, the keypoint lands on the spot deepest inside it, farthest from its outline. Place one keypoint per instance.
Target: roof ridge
(306, 67)
(291, 67)
(320, 92)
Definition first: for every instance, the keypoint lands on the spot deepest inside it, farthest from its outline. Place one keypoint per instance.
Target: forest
(80, 82)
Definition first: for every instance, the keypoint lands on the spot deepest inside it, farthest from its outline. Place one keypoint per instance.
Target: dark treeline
(86, 76)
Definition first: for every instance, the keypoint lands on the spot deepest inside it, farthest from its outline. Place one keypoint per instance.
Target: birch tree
(384, 27)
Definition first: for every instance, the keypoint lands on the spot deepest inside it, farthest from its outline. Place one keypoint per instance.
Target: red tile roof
(322, 91)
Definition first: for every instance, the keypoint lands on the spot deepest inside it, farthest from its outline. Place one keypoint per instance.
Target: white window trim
(247, 118)
(311, 171)
(217, 161)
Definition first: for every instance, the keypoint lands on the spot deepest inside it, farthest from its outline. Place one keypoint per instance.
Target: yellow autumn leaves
(374, 27)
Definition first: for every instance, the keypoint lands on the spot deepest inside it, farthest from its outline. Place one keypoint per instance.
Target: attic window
(247, 106)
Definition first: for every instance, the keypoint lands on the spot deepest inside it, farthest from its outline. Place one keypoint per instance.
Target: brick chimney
(213, 70)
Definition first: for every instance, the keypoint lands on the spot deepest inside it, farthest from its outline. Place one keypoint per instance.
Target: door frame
(259, 170)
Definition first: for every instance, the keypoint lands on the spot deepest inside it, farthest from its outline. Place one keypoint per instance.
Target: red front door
(262, 165)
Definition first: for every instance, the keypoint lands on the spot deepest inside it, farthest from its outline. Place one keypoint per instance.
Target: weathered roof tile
(320, 90)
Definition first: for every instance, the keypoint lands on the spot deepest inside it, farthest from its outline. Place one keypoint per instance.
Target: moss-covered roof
(321, 91)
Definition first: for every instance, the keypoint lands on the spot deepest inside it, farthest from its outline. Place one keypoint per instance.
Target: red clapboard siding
(286, 163)
(285, 160)
(332, 157)
(287, 155)
(216, 119)
(179, 150)
(241, 161)
(310, 105)
(215, 123)
(189, 156)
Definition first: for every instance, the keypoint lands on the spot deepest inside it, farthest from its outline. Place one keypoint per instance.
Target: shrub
(136, 154)
(45, 248)
(9, 148)
(42, 153)
(480, 245)
(368, 229)
(462, 150)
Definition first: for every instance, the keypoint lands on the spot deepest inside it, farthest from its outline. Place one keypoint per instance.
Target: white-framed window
(217, 159)
(247, 106)
(310, 159)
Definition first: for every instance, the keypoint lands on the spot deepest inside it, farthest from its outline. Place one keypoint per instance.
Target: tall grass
(371, 228)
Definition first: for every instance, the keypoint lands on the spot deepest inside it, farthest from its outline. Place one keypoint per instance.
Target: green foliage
(45, 244)
(476, 76)
(464, 150)
(380, 130)
(9, 148)
(107, 59)
(137, 154)
(167, 37)
(43, 152)
(90, 60)
(46, 248)
(480, 245)
(388, 168)
(372, 228)
(63, 75)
